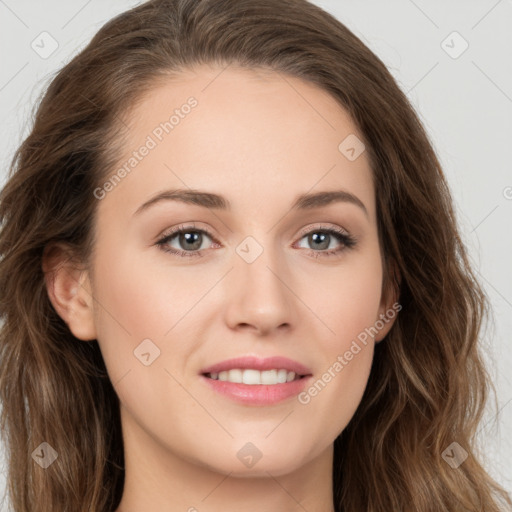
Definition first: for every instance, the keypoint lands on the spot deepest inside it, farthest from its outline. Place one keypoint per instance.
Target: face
(245, 268)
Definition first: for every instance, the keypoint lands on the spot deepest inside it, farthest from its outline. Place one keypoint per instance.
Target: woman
(315, 347)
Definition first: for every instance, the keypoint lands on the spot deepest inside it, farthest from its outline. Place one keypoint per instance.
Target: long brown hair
(428, 385)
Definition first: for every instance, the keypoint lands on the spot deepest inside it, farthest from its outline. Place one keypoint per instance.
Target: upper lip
(256, 363)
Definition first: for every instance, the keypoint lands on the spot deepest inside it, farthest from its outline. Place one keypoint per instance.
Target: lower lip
(257, 394)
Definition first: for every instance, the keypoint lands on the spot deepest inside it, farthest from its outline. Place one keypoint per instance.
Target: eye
(191, 241)
(190, 238)
(322, 238)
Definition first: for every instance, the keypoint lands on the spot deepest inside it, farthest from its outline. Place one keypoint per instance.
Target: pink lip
(248, 362)
(257, 394)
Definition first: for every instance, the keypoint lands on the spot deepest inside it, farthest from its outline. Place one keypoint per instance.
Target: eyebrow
(214, 201)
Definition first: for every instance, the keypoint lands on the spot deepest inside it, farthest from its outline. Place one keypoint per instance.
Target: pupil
(187, 237)
(323, 237)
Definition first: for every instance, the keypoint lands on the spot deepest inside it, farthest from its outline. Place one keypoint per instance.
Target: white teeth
(249, 376)
(252, 377)
(269, 377)
(281, 376)
(235, 376)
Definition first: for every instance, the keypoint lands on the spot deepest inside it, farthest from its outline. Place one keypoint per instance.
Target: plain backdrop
(453, 59)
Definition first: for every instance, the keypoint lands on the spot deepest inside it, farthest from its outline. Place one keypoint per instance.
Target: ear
(389, 306)
(69, 290)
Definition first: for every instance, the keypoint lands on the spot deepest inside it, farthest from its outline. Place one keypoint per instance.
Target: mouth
(253, 381)
(254, 377)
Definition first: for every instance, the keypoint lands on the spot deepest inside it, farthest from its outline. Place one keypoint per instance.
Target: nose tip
(258, 296)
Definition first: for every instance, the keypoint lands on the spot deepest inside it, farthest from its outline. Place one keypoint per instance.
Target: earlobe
(69, 291)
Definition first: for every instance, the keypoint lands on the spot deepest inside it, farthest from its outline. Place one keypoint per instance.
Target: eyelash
(342, 236)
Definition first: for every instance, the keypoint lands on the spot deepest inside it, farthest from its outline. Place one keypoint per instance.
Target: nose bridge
(260, 294)
(260, 263)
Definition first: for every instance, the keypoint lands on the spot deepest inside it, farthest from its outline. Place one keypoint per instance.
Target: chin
(265, 465)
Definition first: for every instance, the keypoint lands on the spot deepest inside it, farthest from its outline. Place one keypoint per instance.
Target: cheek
(348, 298)
(129, 317)
(134, 314)
(142, 312)
(349, 308)
(134, 301)
(335, 393)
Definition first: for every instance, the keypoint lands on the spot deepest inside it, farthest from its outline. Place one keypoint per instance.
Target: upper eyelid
(302, 233)
(180, 229)
(310, 229)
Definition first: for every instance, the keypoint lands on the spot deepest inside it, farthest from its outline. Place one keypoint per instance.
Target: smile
(253, 377)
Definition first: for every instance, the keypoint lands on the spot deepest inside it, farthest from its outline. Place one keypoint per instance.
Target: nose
(260, 295)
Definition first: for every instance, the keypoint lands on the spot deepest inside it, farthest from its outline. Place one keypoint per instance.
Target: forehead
(253, 135)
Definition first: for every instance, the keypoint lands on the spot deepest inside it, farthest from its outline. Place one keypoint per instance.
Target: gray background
(464, 101)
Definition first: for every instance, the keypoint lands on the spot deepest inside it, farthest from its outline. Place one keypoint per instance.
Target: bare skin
(259, 140)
